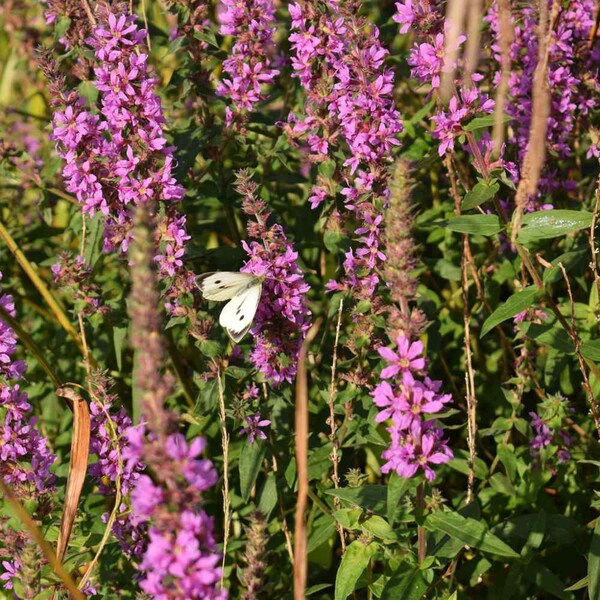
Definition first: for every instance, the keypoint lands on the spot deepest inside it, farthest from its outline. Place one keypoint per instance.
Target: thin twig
(89, 13)
(505, 38)
(284, 525)
(535, 154)
(594, 250)
(226, 496)
(332, 436)
(421, 541)
(577, 343)
(302, 432)
(470, 396)
(114, 436)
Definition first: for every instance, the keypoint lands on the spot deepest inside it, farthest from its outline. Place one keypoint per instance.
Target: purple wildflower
(25, 459)
(339, 61)
(116, 154)
(550, 443)
(180, 560)
(252, 428)
(409, 357)
(249, 66)
(408, 401)
(572, 80)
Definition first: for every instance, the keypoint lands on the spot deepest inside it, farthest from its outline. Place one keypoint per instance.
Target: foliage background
(528, 531)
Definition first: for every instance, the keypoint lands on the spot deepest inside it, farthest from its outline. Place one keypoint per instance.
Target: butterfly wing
(238, 314)
(223, 285)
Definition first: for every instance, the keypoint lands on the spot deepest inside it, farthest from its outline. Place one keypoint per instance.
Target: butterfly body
(243, 290)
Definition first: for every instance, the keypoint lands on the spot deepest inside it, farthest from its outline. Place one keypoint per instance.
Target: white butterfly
(243, 290)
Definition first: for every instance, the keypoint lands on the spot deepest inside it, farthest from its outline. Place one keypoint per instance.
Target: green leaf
(545, 579)
(482, 192)
(474, 224)
(591, 350)
(405, 585)
(268, 496)
(119, 335)
(396, 488)
(368, 497)
(354, 562)
(251, 458)
(470, 532)
(569, 260)
(380, 528)
(513, 306)
(594, 564)
(548, 335)
(93, 240)
(321, 530)
(545, 224)
(332, 240)
(482, 122)
(578, 585)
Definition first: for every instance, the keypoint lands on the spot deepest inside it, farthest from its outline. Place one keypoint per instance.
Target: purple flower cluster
(550, 443)
(181, 560)
(339, 60)
(427, 61)
(282, 318)
(572, 79)
(118, 156)
(409, 402)
(250, 22)
(25, 459)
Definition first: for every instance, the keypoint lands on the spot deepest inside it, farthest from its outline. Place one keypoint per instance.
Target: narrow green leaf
(396, 488)
(546, 224)
(594, 564)
(405, 585)
(119, 335)
(322, 528)
(369, 497)
(354, 562)
(569, 260)
(546, 580)
(474, 224)
(591, 350)
(481, 192)
(379, 527)
(482, 122)
(513, 306)
(251, 458)
(268, 496)
(470, 532)
(548, 335)
(93, 240)
(578, 585)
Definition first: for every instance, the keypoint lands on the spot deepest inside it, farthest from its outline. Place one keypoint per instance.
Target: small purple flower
(408, 357)
(252, 429)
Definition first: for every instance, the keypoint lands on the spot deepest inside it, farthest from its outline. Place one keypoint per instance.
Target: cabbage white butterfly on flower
(243, 290)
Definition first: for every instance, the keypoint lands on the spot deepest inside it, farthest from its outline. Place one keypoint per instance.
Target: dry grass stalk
(505, 39)
(536, 146)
